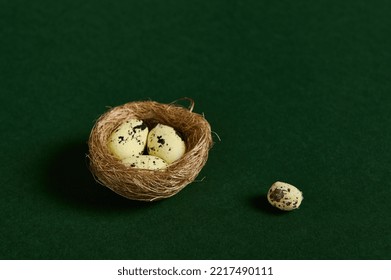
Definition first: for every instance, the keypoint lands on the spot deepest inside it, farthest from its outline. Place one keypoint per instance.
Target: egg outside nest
(143, 184)
(284, 196)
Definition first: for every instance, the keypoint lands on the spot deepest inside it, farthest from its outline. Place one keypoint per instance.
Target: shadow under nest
(69, 179)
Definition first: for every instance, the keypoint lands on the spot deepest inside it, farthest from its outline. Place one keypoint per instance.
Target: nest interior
(142, 184)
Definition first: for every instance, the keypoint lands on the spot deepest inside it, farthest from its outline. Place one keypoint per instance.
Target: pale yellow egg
(129, 139)
(284, 196)
(145, 162)
(165, 142)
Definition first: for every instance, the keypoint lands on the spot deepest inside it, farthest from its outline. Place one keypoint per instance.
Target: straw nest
(143, 184)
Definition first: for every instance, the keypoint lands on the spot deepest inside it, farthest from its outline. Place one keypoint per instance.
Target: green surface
(298, 91)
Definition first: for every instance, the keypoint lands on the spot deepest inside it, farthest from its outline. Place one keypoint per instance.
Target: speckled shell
(284, 196)
(145, 162)
(165, 142)
(128, 139)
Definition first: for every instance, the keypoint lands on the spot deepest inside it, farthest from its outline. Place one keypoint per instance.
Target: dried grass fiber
(142, 184)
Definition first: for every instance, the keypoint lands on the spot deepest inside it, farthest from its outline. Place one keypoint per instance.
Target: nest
(142, 184)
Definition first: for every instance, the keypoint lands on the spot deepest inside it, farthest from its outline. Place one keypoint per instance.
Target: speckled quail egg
(128, 139)
(145, 162)
(284, 196)
(165, 142)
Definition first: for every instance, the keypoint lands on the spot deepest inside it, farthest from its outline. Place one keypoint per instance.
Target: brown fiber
(142, 184)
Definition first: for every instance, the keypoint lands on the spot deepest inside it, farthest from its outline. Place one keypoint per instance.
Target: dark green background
(298, 91)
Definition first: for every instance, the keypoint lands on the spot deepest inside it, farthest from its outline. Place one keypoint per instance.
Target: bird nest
(142, 184)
